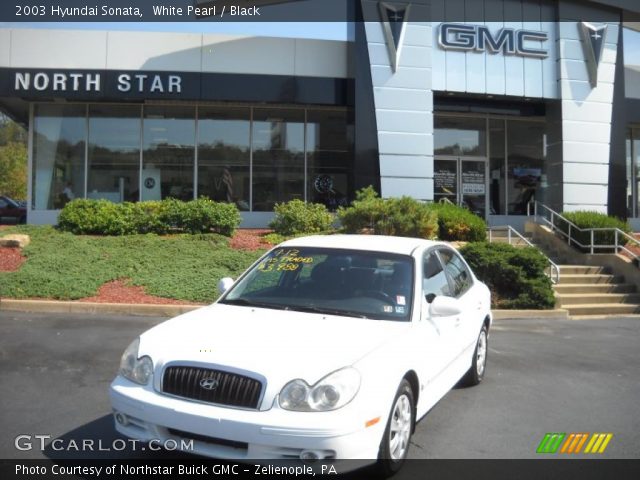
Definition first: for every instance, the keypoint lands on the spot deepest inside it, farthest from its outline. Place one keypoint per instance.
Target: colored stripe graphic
(550, 442)
(574, 443)
(598, 443)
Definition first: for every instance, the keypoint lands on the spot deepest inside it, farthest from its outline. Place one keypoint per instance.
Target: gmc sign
(478, 38)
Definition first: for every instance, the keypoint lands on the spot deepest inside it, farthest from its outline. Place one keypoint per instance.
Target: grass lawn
(67, 267)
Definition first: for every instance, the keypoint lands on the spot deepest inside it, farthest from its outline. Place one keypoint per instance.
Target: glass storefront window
(525, 162)
(460, 136)
(634, 144)
(59, 139)
(278, 157)
(497, 167)
(224, 154)
(629, 169)
(149, 152)
(114, 153)
(168, 140)
(328, 157)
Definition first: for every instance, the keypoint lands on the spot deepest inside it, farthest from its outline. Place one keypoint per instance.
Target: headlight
(136, 369)
(332, 392)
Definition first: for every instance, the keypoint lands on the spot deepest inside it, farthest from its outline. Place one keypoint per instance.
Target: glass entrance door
(462, 181)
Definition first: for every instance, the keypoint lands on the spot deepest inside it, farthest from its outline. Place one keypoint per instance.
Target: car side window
(434, 279)
(3, 204)
(457, 271)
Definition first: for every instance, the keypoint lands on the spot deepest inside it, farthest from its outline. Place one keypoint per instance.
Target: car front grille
(212, 386)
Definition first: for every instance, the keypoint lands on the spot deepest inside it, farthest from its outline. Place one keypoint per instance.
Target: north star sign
(479, 38)
(92, 82)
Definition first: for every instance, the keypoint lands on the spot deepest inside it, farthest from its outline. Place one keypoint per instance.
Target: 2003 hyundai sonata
(328, 347)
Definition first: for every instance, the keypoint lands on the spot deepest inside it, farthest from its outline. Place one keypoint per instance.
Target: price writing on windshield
(285, 260)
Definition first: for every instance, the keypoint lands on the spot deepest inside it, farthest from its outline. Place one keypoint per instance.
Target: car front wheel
(397, 436)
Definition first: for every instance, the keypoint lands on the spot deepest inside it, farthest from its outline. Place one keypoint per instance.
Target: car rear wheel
(479, 364)
(397, 436)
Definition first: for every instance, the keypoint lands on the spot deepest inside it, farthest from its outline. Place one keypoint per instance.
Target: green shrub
(403, 216)
(515, 276)
(459, 224)
(101, 217)
(96, 217)
(587, 219)
(298, 217)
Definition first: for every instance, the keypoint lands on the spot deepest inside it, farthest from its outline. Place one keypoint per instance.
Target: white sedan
(327, 348)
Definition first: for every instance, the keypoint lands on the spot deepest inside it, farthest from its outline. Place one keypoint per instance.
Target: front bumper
(238, 434)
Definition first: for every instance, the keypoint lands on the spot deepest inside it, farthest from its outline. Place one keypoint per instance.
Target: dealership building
(490, 105)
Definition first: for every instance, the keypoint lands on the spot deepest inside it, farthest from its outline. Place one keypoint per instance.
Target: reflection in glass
(278, 157)
(168, 141)
(525, 148)
(224, 154)
(460, 136)
(59, 136)
(631, 41)
(114, 153)
(497, 167)
(328, 157)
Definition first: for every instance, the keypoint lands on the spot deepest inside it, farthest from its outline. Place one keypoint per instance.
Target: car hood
(279, 345)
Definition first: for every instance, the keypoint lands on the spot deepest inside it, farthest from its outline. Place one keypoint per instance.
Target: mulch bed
(249, 239)
(10, 259)
(118, 291)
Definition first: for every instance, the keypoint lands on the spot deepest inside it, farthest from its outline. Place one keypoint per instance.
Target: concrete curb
(54, 306)
(558, 314)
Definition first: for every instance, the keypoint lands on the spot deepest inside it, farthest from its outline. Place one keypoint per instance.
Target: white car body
(432, 351)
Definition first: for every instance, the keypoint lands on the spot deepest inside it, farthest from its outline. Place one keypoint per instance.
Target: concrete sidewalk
(54, 306)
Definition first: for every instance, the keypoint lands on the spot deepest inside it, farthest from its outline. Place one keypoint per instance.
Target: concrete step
(567, 299)
(599, 309)
(590, 278)
(595, 288)
(582, 269)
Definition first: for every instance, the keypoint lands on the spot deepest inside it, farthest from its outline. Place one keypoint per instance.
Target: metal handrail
(554, 269)
(572, 228)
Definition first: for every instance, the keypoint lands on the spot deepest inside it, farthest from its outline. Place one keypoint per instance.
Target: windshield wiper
(328, 311)
(252, 303)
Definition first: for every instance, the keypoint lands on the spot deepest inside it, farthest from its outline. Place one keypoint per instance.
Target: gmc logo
(478, 38)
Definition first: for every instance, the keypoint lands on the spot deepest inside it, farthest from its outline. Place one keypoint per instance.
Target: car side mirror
(225, 284)
(443, 306)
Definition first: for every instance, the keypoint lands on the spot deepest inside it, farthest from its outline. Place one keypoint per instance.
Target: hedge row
(408, 217)
(586, 220)
(516, 276)
(102, 217)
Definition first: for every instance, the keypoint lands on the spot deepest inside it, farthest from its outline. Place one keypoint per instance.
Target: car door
(439, 337)
(464, 290)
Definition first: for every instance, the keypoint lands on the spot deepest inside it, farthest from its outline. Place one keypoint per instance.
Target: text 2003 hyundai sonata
(328, 347)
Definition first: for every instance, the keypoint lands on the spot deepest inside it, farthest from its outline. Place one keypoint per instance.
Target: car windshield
(349, 283)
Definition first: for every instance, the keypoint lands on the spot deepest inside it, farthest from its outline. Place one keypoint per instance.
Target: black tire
(22, 220)
(394, 446)
(479, 364)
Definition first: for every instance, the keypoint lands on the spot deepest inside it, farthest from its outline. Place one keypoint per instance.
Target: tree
(13, 159)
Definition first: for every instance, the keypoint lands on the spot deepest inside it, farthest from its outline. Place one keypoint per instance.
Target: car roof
(374, 243)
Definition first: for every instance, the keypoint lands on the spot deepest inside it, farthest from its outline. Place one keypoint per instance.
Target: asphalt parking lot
(543, 376)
